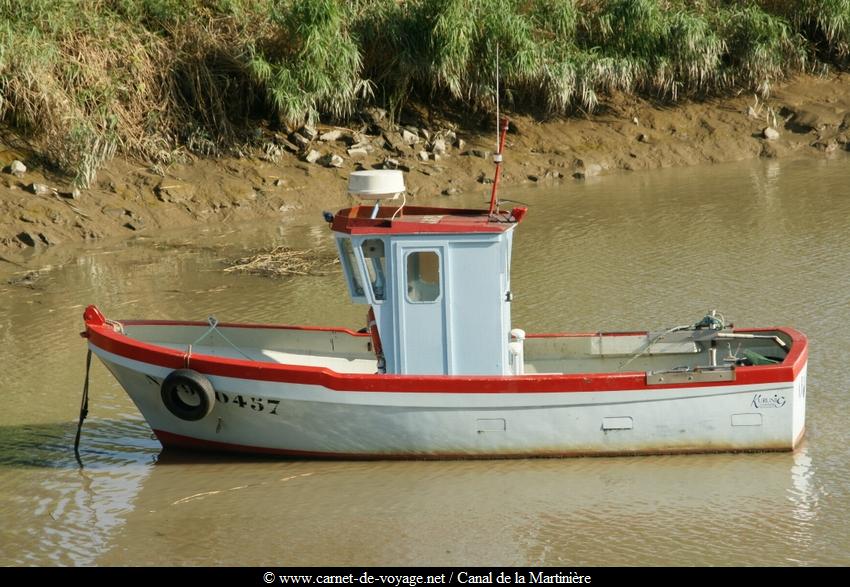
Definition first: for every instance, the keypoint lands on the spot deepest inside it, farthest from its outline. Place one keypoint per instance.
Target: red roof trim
(409, 220)
(103, 336)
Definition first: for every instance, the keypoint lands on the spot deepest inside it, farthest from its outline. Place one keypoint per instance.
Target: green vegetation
(84, 79)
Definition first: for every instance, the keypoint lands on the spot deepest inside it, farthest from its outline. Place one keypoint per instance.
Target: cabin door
(422, 348)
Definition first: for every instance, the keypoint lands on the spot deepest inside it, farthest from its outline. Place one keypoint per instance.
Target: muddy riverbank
(282, 174)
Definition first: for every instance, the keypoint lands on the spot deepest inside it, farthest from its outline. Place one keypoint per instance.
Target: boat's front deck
(332, 362)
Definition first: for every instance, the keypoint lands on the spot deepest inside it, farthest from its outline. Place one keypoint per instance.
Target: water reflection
(719, 509)
(55, 513)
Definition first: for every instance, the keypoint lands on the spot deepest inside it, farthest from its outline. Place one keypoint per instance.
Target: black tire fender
(188, 395)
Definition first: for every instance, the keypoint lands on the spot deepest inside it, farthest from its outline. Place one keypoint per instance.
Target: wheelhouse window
(376, 266)
(352, 272)
(423, 276)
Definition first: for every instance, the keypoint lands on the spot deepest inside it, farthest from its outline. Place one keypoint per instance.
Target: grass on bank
(85, 79)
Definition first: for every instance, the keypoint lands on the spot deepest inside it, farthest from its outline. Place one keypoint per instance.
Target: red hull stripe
(104, 337)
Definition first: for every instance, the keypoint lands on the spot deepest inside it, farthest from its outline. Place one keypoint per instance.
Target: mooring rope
(84, 410)
(213, 322)
(649, 344)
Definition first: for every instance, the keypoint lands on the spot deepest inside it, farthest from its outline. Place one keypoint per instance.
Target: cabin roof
(424, 220)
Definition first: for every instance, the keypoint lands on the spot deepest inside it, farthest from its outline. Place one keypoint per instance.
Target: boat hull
(441, 418)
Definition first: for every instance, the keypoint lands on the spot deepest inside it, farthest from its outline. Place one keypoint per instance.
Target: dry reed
(283, 261)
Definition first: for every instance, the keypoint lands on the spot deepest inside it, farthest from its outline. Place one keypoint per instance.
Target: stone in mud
(450, 191)
(390, 163)
(286, 144)
(366, 145)
(355, 139)
(357, 152)
(39, 189)
(409, 138)
(312, 156)
(17, 168)
(300, 140)
(460, 144)
(116, 187)
(331, 160)
(393, 140)
(28, 239)
(331, 135)
(115, 212)
(48, 239)
(643, 138)
(423, 155)
(827, 146)
(480, 153)
(171, 193)
(807, 120)
(438, 147)
(308, 131)
(583, 169)
(376, 116)
(770, 133)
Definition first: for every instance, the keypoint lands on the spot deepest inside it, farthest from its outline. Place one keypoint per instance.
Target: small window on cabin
(376, 266)
(423, 276)
(351, 268)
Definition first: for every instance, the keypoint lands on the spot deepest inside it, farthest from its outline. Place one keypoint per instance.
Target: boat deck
(343, 351)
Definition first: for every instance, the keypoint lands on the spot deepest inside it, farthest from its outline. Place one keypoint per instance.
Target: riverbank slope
(281, 174)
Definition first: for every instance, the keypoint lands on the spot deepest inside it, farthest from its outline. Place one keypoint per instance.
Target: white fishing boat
(442, 371)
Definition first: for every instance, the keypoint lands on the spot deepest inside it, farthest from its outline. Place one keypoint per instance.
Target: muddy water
(766, 243)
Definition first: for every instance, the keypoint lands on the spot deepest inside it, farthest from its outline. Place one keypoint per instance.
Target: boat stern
(799, 406)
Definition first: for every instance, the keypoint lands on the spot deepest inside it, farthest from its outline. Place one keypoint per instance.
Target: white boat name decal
(765, 401)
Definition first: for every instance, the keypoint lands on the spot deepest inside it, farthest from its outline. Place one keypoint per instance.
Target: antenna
(500, 141)
(497, 97)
